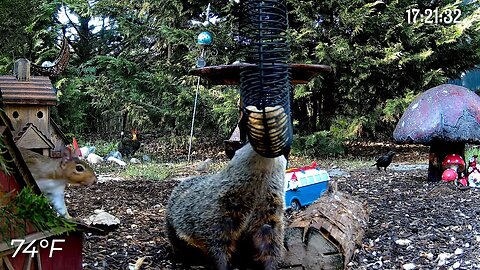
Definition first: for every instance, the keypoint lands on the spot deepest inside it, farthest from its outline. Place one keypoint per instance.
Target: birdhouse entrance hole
(15, 114)
(39, 114)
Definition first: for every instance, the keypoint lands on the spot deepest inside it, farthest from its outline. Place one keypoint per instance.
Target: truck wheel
(295, 205)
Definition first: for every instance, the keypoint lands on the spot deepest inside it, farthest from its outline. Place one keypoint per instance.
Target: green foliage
(225, 110)
(137, 57)
(320, 143)
(394, 108)
(149, 171)
(470, 151)
(26, 206)
(348, 128)
(376, 55)
(102, 147)
(73, 105)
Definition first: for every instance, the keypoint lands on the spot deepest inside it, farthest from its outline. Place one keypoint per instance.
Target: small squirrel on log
(234, 217)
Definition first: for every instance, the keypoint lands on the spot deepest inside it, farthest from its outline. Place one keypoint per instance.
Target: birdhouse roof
(36, 91)
(21, 175)
(31, 137)
(58, 131)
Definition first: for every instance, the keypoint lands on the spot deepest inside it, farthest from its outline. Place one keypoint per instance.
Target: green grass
(148, 171)
(327, 163)
(470, 151)
(102, 148)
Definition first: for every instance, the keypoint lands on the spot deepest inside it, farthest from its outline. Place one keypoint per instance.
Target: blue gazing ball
(204, 38)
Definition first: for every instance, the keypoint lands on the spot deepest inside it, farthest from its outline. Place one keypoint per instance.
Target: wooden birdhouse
(67, 248)
(27, 100)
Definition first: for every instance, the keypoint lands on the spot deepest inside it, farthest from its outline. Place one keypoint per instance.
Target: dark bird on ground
(128, 147)
(384, 160)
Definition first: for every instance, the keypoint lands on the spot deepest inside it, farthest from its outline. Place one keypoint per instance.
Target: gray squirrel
(233, 218)
(53, 174)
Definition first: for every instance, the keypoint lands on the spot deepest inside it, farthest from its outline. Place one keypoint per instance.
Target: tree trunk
(300, 113)
(438, 151)
(313, 118)
(325, 235)
(329, 104)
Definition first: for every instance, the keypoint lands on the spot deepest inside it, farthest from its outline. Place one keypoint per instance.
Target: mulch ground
(412, 223)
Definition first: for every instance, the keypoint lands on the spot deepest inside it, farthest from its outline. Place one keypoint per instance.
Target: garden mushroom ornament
(449, 175)
(445, 118)
(454, 161)
(473, 172)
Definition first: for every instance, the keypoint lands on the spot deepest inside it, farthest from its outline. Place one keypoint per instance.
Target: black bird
(384, 160)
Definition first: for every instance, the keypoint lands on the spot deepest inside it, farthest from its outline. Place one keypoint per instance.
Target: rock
(146, 158)
(118, 161)
(456, 265)
(442, 258)
(94, 158)
(458, 251)
(203, 166)
(103, 220)
(87, 150)
(403, 242)
(336, 172)
(409, 266)
(114, 154)
(135, 161)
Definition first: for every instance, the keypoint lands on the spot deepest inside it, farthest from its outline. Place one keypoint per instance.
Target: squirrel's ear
(76, 153)
(66, 154)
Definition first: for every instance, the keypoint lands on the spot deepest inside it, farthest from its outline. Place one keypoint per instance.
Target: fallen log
(325, 234)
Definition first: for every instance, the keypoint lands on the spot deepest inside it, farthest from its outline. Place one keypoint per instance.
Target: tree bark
(329, 104)
(325, 235)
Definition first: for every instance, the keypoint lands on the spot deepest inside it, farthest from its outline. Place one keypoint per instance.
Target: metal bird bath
(230, 75)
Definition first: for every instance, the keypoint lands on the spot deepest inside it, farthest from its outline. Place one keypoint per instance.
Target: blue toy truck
(304, 185)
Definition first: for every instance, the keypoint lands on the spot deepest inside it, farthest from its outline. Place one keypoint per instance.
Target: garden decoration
(59, 64)
(27, 219)
(455, 163)
(28, 101)
(473, 172)
(449, 175)
(203, 39)
(445, 118)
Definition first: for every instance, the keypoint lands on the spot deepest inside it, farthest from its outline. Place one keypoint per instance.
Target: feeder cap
(454, 160)
(204, 38)
(449, 175)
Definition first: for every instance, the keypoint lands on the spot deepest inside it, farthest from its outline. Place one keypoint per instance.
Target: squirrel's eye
(79, 168)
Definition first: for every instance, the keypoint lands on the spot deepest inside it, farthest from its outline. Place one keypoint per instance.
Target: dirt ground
(413, 224)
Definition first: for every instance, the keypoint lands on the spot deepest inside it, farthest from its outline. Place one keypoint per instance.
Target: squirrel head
(75, 170)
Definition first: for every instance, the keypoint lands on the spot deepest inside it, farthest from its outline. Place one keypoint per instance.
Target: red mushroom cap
(449, 175)
(463, 181)
(454, 160)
